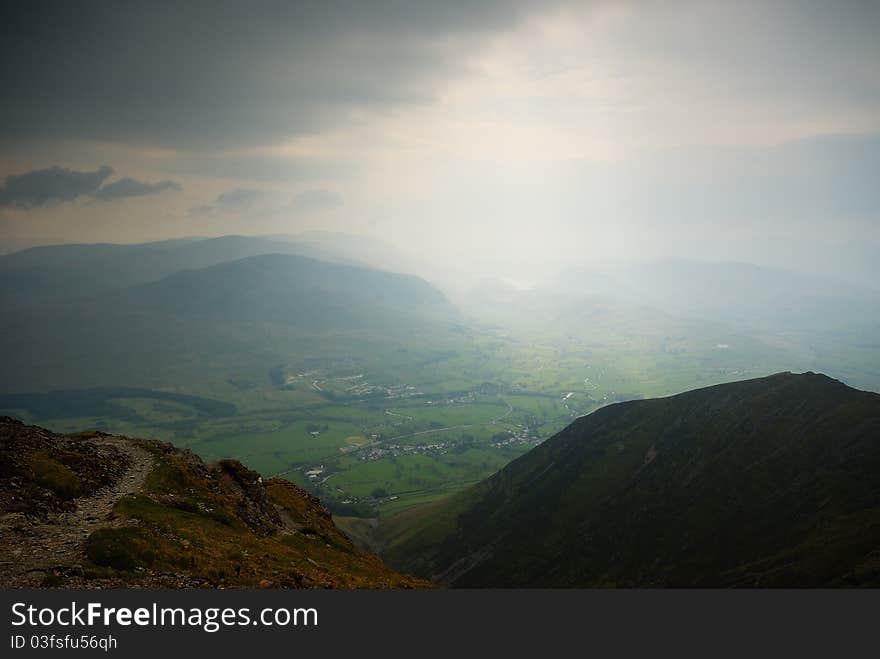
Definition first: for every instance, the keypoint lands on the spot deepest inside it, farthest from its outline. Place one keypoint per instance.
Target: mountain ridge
(762, 482)
(78, 270)
(254, 310)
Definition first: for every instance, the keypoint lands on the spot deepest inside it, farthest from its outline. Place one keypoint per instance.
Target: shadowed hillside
(58, 272)
(766, 482)
(255, 311)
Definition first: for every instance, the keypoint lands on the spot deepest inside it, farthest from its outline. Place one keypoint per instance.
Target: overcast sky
(469, 132)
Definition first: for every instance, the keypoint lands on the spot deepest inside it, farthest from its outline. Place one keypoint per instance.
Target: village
(517, 437)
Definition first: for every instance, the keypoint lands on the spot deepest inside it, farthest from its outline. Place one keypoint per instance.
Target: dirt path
(38, 548)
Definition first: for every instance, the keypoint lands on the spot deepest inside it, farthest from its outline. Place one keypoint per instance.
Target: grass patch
(54, 476)
(121, 549)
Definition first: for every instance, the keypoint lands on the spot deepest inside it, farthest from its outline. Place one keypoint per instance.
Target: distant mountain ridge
(256, 311)
(285, 283)
(766, 482)
(81, 270)
(741, 293)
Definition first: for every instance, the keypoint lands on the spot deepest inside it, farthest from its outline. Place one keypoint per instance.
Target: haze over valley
(378, 390)
(458, 270)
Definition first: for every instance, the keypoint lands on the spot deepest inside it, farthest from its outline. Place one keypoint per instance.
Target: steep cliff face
(94, 510)
(767, 482)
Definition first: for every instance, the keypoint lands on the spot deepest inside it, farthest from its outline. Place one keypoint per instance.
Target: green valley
(374, 390)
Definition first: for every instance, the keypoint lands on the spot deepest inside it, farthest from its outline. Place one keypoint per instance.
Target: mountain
(766, 482)
(742, 293)
(58, 272)
(250, 313)
(293, 289)
(92, 510)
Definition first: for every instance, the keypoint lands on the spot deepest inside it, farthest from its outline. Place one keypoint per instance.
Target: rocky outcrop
(98, 511)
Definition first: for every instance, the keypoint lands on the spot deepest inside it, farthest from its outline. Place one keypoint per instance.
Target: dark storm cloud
(42, 187)
(128, 187)
(213, 74)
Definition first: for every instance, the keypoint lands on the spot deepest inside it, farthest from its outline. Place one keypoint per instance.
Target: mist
(498, 140)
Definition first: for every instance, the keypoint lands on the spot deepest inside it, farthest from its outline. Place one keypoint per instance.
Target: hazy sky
(472, 132)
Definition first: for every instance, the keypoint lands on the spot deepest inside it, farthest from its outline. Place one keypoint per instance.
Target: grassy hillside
(346, 380)
(57, 272)
(767, 482)
(93, 510)
(256, 311)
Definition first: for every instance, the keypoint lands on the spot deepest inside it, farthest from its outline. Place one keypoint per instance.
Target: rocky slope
(97, 511)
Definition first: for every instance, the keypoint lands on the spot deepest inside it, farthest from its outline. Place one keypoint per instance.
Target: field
(374, 429)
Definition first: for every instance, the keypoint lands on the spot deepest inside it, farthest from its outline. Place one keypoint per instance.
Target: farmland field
(373, 429)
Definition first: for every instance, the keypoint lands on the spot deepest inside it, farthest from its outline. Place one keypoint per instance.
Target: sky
(489, 136)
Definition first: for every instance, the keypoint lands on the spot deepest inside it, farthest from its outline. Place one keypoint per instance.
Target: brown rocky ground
(97, 511)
